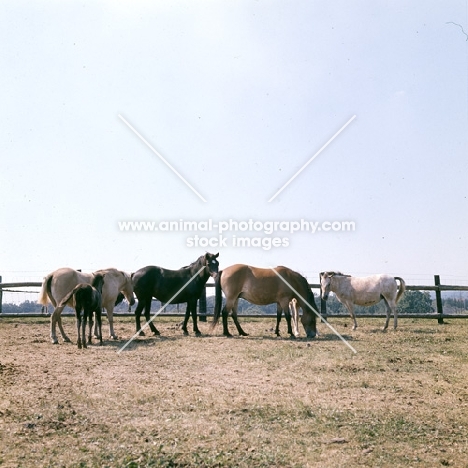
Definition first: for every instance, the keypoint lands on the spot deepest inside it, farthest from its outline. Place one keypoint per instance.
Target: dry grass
(255, 401)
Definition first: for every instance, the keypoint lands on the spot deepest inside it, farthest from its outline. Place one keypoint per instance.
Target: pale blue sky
(237, 96)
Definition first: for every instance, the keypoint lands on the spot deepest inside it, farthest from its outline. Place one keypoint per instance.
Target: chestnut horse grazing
(262, 286)
(58, 284)
(363, 291)
(174, 287)
(88, 300)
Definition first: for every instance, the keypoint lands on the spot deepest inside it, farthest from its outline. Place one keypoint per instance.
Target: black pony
(87, 299)
(162, 284)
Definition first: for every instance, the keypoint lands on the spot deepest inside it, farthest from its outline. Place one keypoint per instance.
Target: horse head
(325, 283)
(309, 317)
(211, 263)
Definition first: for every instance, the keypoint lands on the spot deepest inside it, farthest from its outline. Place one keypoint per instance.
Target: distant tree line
(412, 302)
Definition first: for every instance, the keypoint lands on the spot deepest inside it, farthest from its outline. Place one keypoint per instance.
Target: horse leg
(99, 324)
(62, 331)
(110, 318)
(90, 325)
(350, 308)
(195, 319)
(295, 318)
(236, 322)
(395, 317)
(284, 304)
(95, 328)
(287, 314)
(193, 308)
(55, 319)
(225, 314)
(78, 326)
(186, 319)
(138, 310)
(83, 328)
(391, 308)
(148, 317)
(279, 313)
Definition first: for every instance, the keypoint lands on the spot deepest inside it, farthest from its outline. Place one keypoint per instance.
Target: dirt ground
(256, 401)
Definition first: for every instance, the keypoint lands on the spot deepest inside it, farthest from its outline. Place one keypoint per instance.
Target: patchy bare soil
(256, 401)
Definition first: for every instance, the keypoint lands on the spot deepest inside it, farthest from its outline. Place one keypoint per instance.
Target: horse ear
(217, 255)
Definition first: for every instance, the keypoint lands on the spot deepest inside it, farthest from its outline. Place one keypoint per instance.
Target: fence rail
(437, 288)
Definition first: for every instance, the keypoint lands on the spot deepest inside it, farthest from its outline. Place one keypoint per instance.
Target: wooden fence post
(1, 296)
(323, 308)
(440, 310)
(202, 306)
(323, 304)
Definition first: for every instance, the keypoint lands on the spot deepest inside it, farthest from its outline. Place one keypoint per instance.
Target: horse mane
(195, 263)
(336, 273)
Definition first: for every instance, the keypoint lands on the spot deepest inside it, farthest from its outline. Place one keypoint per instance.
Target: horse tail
(401, 289)
(218, 300)
(68, 296)
(44, 296)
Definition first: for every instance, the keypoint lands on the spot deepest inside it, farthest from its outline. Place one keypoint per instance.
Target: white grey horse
(363, 291)
(58, 284)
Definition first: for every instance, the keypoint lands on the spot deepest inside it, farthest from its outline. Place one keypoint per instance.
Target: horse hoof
(114, 337)
(67, 340)
(156, 333)
(198, 333)
(141, 333)
(54, 341)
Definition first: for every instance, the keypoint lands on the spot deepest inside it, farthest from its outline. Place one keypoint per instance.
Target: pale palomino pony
(363, 291)
(58, 284)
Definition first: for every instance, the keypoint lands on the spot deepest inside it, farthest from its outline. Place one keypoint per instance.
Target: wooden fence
(437, 288)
